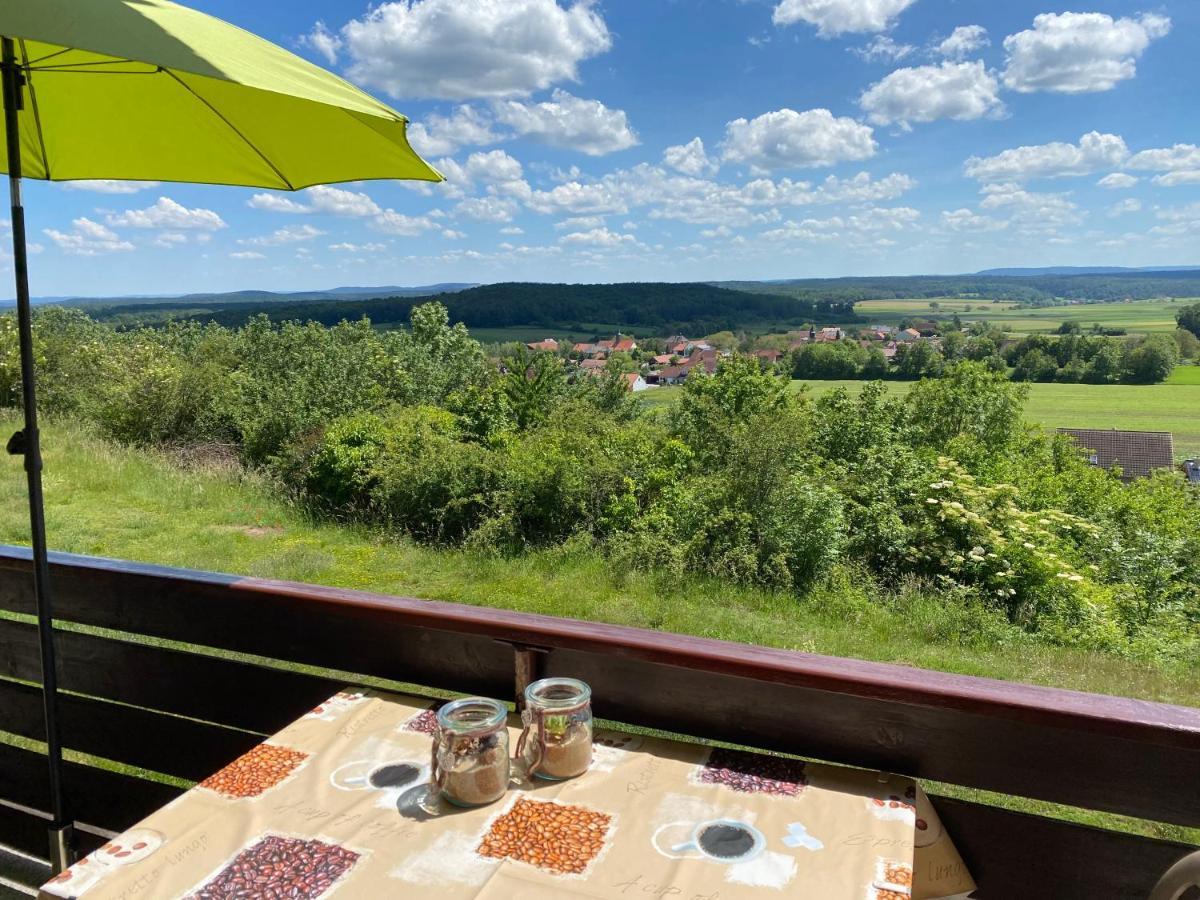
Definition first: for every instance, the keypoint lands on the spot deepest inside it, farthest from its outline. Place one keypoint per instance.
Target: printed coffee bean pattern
(751, 773)
(260, 769)
(554, 836)
(898, 873)
(279, 867)
(884, 894)
(425, 723)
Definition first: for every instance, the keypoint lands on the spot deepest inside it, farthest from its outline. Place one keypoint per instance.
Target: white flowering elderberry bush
(1026, 562)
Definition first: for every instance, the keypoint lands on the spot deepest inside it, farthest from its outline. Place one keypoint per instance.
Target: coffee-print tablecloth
(330, 807)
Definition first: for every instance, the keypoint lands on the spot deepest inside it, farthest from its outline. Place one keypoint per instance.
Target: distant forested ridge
(693, 308)
(1037, 290)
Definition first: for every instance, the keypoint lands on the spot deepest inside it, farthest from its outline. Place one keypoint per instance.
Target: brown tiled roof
(1138, 453)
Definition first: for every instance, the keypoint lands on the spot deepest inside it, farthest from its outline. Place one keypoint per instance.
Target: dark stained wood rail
(184, 714)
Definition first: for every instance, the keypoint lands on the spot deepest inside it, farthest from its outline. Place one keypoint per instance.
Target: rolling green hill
(695, 308)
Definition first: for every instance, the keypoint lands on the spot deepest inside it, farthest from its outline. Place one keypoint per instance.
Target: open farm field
(1185, 375)
(1140, 316)
(1173, 406)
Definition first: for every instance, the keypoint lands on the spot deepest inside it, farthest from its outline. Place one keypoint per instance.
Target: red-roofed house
(593, 364)
(635, 382)
(770, 356)
(625, 345)
(546, 345)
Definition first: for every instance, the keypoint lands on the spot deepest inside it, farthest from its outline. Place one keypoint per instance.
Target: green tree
(1035, 365)
(1152, 360)
(1189, 318)
(1106, 366)
(968, 400)
(532, 385)
(433, 358)
(1188, 344)
(714, 409)
(919, 359)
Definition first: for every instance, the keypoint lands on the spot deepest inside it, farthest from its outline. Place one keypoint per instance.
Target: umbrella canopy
(150, 90)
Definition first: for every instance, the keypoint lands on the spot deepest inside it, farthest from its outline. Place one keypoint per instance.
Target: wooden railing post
(527, 666)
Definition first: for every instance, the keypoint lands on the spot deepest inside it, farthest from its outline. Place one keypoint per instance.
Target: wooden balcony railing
(184, 711)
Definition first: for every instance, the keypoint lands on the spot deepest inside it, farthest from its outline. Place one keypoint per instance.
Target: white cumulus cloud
(598, 237)
(1116, 181)
(1094, 152)
(438, 135)
(166, 213)
(461, 49)
(1076, 53)
(340, 202)
(276, 203)
(87, 238)
(883, 48)
(690, 158)
(1181, 176)
(1167, 159)
(569, 122)
(786, 139)
(108, 185)
(834, 17)
(1030, 210)
(951, 90)
(964, 40)
(1121, 207)
(247, 254)
(392, 222)
(968, 221)
(292, 234)
(488, 209)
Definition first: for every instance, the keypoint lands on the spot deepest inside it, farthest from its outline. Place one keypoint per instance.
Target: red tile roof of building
(1138, 453)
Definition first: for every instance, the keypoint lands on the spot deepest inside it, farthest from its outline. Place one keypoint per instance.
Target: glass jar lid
(472, 715)
(558, 693)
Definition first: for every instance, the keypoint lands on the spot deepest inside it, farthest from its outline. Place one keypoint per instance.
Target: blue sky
(689, 140)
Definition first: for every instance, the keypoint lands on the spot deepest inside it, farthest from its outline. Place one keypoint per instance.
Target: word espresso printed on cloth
(339, 804)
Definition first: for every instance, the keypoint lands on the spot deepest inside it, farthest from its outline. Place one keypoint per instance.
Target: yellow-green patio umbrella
(153, 91)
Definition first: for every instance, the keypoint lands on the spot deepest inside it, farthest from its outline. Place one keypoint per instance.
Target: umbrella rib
(49, 55)
(216, 112)
(37, 116)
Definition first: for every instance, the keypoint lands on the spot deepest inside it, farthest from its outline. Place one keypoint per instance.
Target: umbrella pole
(26, 443)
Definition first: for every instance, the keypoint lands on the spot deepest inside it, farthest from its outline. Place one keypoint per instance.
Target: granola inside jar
(557, 740)
(470, 751)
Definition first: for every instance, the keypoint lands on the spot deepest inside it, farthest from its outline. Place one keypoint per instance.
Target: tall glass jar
(557, 740)
(470, 751)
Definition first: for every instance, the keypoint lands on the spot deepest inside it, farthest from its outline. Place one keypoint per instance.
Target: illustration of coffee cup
(720, 840)
(365, 775)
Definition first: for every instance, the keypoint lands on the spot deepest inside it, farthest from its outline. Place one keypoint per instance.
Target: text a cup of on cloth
(720, 840)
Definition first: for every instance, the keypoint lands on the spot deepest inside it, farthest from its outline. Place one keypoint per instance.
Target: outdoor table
(331, 805)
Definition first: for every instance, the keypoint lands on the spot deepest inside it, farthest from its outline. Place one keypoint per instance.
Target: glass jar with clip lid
(556, 742)
(470, 765)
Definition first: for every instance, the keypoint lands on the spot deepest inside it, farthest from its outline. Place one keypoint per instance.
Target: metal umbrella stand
(27, 443)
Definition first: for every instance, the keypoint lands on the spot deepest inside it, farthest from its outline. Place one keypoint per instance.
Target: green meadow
(1138, 316)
